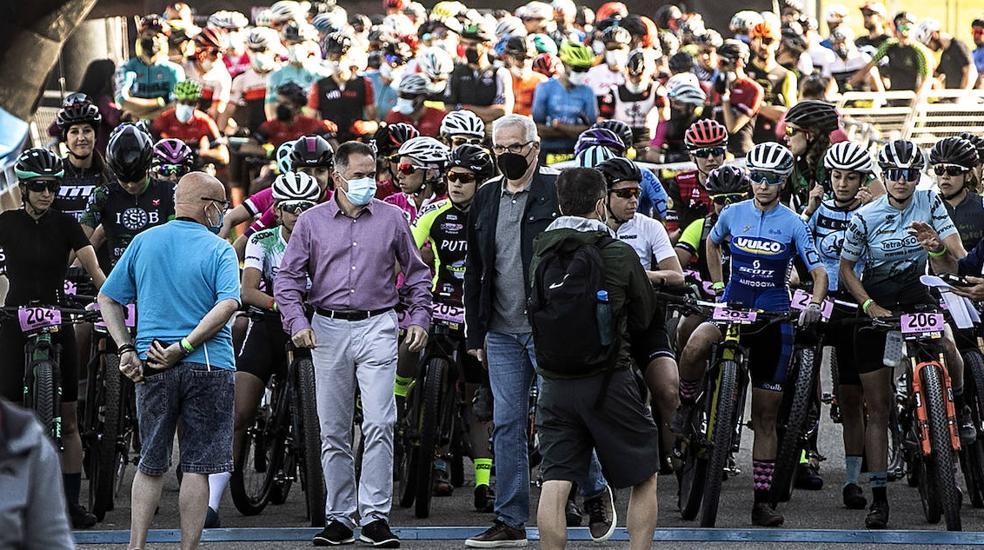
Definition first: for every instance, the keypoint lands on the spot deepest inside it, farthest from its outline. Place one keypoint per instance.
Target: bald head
(194, 193)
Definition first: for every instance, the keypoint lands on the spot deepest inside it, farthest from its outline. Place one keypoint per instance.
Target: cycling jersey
(429, 123)
(276, 132)
(827, 225)
(36, 254)
(342, 104)
(653, 200)
(648, 238)
(236, 65)
(406, 203)
(260, 208)
(483, 87)
(136, 78)
(894, 259)
(123, 215)
(779, 89)
(215, 82)
(77, 186)
(841, 70)
(248, 95)
(602, 79)
(200, 125)
(968, 218)
(688, 201)
(634, 108)
(575, 105)
(763, 245)
(444, 226)
(264, 252)
(302, 76)
(523, 90)
(746, 99)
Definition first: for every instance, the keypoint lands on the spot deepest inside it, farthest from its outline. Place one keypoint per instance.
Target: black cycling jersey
(443, 225)
(36, 254)
(123, 215)
(968, 217)
(77, 185)
(774, 85)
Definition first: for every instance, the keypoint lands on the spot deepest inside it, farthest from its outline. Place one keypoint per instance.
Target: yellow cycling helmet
(576, 55)
(446, 9)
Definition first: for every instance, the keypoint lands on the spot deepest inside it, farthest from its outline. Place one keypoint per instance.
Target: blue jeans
(512, 364)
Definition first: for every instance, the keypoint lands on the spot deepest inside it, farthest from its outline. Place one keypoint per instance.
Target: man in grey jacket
(32, 506)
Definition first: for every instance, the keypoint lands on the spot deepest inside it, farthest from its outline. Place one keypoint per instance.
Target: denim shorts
(201, 399)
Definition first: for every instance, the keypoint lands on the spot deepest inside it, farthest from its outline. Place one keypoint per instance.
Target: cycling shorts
(842, 339)
(12, 342)
(870, 356)
(264, 349)
(652, 343)
(769, 351)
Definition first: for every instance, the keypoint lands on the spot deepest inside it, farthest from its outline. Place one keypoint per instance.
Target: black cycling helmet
(733, 49)
(388, 139)
(129, 153)
(474, 158)
(312, 151)
(901, 153)
(977, 141)
(619, 169)
(38, 163)
(681, 62)
(338, 43)
(617, 127)
(520, 46)
(812, 114)
(293, 92)
(78, 113)
(727, 179)
(954, 150)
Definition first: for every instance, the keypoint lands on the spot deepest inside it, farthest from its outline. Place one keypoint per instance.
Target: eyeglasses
(296, 207)
(456, 141)
(627, 193)
(902, 174)
(727, 198)
(168, 170)
(455, 177)
(866, 13)
(951, 170)
(706, 152)
(410, 97)
(408, 169)
(793, 130)
(515, 148)
(222, 202)
(767, 178)
(40, 186)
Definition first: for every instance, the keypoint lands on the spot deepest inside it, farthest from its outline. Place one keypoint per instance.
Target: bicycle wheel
(255, 471)
(404, 451)
(692, 472)
(42, 396)
(430, 424)
(940, 465)
(725, 403)
(972, 456)
(109, 401)
(312, 474)
(804, 372)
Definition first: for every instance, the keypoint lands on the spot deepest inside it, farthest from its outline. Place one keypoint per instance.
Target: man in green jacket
(573, 418)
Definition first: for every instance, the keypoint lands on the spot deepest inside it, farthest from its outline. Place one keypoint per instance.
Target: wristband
(161, 102)
(125, 348)
(273, 305)
(186, 346)
(938, 253)
(717, 286)
(867, 303)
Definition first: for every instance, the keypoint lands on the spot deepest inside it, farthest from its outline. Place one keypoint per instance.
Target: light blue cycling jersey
(827, 225)
(653, 198)
(762, 248)
(894, 260)
(137, 79)
(574, 105)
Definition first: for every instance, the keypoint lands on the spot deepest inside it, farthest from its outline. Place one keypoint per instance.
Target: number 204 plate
(733, 315)
(35, 318)
(921, 323)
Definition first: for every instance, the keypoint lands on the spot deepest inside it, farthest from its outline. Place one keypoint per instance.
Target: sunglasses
(456, 141)
(949, 169)
(767, 178)
(706, 152)
(792, 131)
(455, 177)
(727, 198)
(902, 174)
(168, 170)
(577, 69)
(408, 169)
(40, 186)
(767, 41)
(627, 193)
(902, 28)
(296, 207)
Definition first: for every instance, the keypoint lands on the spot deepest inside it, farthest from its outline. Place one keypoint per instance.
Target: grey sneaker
(499, 535)
(602, 516)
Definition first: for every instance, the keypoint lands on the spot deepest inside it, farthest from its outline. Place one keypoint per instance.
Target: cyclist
(640, 101)
(387, 142)
(851, 170)
(289, 121)
(884, 234)
(443, 227)
(206, 68)
(343, 96)
(172, 159)
(85, 170)
(135, 202)
(192, 126)
(736, 97)
(978, 142)
(764, 237)
(686, 108)
(248, 93)
(460, 127)
(610, 74)
(411, 108)
(808, 125)
(518, 56)
(262, 353)
(648, 238)
(706, 142)
(953, 160)
(565, 106)
(477, 84)
(37, 241)
(778, 83)
(653, 201)
(145, 83)
(420, 175)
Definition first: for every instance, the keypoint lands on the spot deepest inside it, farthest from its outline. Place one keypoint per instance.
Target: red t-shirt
(276, 132)
(428, 125)
(200, 125)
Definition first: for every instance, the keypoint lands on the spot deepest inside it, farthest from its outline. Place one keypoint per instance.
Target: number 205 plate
(921, 323)
(733, 315)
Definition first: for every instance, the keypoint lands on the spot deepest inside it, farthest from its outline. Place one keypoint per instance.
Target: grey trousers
(349, 353)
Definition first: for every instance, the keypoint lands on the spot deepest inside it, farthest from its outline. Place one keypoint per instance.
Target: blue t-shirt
(148, 81)
(762, 248)
(303, 76)
(653, 198)
(979, 58)
(894, 259)
(176, 273)
(552, 101)
(827, 225)
(385, 94)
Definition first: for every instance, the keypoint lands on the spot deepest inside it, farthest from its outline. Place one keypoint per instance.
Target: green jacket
(631, 297)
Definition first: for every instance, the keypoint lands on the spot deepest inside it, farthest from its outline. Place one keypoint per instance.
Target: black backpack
(563, 310)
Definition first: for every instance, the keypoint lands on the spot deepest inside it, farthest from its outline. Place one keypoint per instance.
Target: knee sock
(483, 471)
(402, 385)
(73, 486)
(216, 486)
(803, 459)
(879, 486)
(689, 390)
(853, 469)
(762, 471)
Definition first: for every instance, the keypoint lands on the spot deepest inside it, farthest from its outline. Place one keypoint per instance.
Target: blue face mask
(361, 191)
(218, 224)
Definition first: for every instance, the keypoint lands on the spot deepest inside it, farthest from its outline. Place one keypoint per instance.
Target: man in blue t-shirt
(565, 106)
(185, 281)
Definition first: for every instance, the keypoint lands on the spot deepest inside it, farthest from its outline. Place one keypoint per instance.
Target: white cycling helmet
(263, 18)
(687, 94)
(901, 153)
(565, 7)
(261, 38)
(510, 25)
(744, 20)
(462, 123)
(413, 84)
(435, 63)
(285, 10)
(849, 156)
(770, 157)
(425, 151)
(295, 186)
(925, 29)
(835, 13)
(228, 20)
(284, 164)
(593, 156)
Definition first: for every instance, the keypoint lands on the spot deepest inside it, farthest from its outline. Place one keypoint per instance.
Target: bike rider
(886, 235)
(764, 236)
(420, 175)
(85, 170)
(653, 201)
(262, 353)
(648, 238)
(443, 227)
(387, 142)
(808, 125)
(172, 159)
(851, 169)
(37, 240)
(136, 202)
(706, 142)
(953, 159)
(459, 127)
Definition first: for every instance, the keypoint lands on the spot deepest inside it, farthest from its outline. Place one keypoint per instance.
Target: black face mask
(512, 165)
(841, 52)
(284, 113)
(472, 56)
(149, 46)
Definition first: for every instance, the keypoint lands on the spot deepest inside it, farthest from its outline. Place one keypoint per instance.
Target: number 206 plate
(733, 315)
(921, 323)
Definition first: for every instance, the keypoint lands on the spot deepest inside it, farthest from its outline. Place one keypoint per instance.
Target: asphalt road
(808, 510)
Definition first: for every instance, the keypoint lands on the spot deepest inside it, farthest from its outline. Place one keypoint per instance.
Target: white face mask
(617, 58)
(261, 62)
(404, 106)
(361, 191)
(598, 47)
(578, 79)
(183, 112)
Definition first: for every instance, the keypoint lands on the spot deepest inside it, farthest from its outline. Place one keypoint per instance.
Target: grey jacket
(32, 504)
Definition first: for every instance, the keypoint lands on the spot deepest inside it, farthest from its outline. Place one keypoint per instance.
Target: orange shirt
(523, 92)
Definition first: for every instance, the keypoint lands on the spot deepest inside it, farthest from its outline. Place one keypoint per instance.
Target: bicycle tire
(43, 396)
(941, 466)
(272, 449)
(313, 480)
(692, 474)
(724, 430)
(102, 484)
(429, 428)
(791, 442)
(972, 456)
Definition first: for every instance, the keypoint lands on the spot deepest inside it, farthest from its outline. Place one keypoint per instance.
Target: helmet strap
(32, 210)
(611, 214)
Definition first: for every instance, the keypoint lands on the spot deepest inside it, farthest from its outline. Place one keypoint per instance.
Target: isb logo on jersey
(759, 245)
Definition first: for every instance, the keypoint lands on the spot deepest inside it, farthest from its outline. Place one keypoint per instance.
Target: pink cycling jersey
(405, 203)
(260, 207)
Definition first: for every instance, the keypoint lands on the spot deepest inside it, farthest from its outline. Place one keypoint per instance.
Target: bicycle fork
(922, 414)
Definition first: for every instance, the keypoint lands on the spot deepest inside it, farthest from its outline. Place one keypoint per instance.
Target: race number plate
(130, 320)
(449, 315)
(36, 318)
(734, 315)
(921, 323)
(801, 300)
(70, 288)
